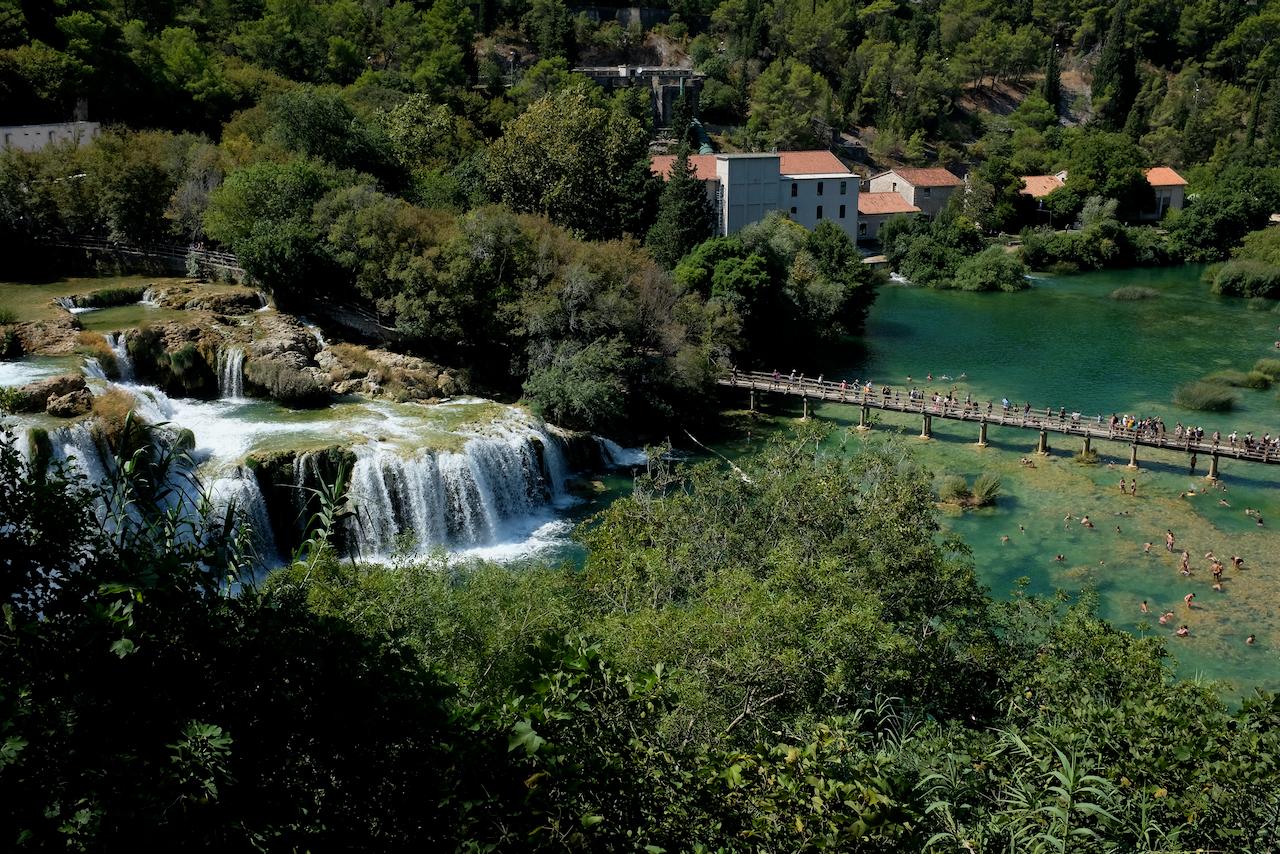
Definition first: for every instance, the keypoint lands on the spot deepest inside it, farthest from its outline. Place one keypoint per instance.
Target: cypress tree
(1052, 89)
(1114, 77)
(684, 214)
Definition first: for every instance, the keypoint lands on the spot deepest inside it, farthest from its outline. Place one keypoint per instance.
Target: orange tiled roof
(1163, 176)
(789, 163)
(872, 204)
(935, 177)
(704, 165)
(809, 163)
(1039, 186)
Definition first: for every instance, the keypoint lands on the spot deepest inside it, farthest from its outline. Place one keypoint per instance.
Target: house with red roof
(875, 209)
(1169, 190)
(1039, 186)
(809, 186)
(927, 189)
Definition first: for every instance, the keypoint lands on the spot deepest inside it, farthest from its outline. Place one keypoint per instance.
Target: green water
(1065, 343)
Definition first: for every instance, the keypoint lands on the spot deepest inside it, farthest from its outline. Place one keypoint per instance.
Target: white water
(468, 476)
(149, 298)
(69, 304)
(899, 279)
(124, 365)
(231, 373)
(616, 456)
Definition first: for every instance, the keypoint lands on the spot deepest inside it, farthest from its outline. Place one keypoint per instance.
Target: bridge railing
(167, 251)
(992, 413)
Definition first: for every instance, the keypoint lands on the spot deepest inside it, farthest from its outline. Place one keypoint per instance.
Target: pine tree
(1052, 89)
(1114, 78)
(684, 213)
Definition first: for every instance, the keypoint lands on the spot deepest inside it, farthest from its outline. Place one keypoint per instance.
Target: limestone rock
(34, 397)
(69, 405)
(57, 337)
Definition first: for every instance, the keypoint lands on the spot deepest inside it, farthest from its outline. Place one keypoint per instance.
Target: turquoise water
(1066, 343)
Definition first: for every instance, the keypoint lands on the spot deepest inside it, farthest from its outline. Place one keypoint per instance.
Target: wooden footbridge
(1044, 422)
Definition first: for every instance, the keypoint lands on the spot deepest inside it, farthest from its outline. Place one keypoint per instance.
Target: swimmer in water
(1084, 520)
(1237, 561)
(1117, 529)
(1222, 502)
(1004, 539)
(1165, 617)
(1183, 631)
(1251, 640)
(1021, 530)
(1188, 599)
(1144, 607)
(1060, 558)
(1146, 548)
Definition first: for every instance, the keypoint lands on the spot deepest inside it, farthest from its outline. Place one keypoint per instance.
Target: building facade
(665, 85)
(875, 209)
(36, 137)
(807, 186)
(927, 189)
(1169, 189)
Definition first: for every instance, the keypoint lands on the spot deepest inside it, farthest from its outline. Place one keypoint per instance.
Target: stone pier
(1087, 449)
(1133, 456)
(926, 427)
(1213, 467)
(864, 418)
(982, 434)
(1042, 445)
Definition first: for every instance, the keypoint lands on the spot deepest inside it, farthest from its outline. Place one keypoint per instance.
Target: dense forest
(441, 165)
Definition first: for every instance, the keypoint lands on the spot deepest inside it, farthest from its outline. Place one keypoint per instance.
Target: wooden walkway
(993, 414)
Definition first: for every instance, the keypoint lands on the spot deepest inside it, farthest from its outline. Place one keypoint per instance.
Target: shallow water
(1066, 343)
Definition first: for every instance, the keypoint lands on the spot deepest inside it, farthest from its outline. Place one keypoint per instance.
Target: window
(843, 187)
(895, 186)
(819, 188)
(925, 191)
(862, 229)
(842, 211)
(819, 211)
(795, 188)
(793, 211)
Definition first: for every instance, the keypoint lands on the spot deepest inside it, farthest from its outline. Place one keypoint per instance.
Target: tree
(791, 106)
(993, 269)
(1052, 88)
(1115, 76)
(576, 160)
(685, 215)
(550, 28)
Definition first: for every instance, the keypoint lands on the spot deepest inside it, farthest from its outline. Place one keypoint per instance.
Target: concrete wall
(930, 200)
(802, 200)
(748, 189)
(869, 225)
(1166, 198)
(36, 137)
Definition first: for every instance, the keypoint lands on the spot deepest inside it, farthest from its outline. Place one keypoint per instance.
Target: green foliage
(1240, 379)
(1269, 367)
(583, 388)
(986, 488)
(993, 269)
(685, 214)
(107, 297)
(1239, 200)
(790, 103)
(1104, 243)
(1205, 396)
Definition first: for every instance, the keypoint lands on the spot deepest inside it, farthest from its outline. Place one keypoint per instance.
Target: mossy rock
(289, 502)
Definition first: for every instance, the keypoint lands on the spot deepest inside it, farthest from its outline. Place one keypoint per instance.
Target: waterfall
(124, 366)
(69, 303)
(149, 298)
(616, 456)
(92, 369)
(470, 497)
(315, 332)
(239, 491)
(231, 373)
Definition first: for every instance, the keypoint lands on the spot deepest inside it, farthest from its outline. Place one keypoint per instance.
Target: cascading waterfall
(149, 298)
(459, 498)
(69, 303)
(239, 491)
(93, 369)
(616, 456)
(124, 365)
(231, 373)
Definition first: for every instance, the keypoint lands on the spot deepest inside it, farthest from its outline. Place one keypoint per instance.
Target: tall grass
(1240, 379)
(108, 297)
(986, 489)
(1205, 397)
(1270, 367)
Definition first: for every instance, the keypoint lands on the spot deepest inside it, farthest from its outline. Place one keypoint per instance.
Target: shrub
(993, 269)
(985, 490)
(1204, 397)
(1247, 278)
(1132, 293)
(7, 316)
(111, 415)
(1269, 367)
(954, 490)
(108, 297)
(1240, 379)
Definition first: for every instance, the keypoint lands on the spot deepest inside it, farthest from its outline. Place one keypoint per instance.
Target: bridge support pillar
(805, 403)
(1133, 455)
(926, 428)
(753, 400)
(1087, 446)
(1042, 445)
(982, 434)
(864, 418)
(1213, 467)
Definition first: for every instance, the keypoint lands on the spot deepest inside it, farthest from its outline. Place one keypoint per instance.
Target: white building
(808, 186)
(927, 189)
(1169, 192)
(875, 209)
(36, 137)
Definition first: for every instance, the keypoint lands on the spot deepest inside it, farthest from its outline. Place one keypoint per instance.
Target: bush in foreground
(1205, 396)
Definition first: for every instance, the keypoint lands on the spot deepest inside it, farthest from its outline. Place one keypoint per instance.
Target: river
(1067, 343)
